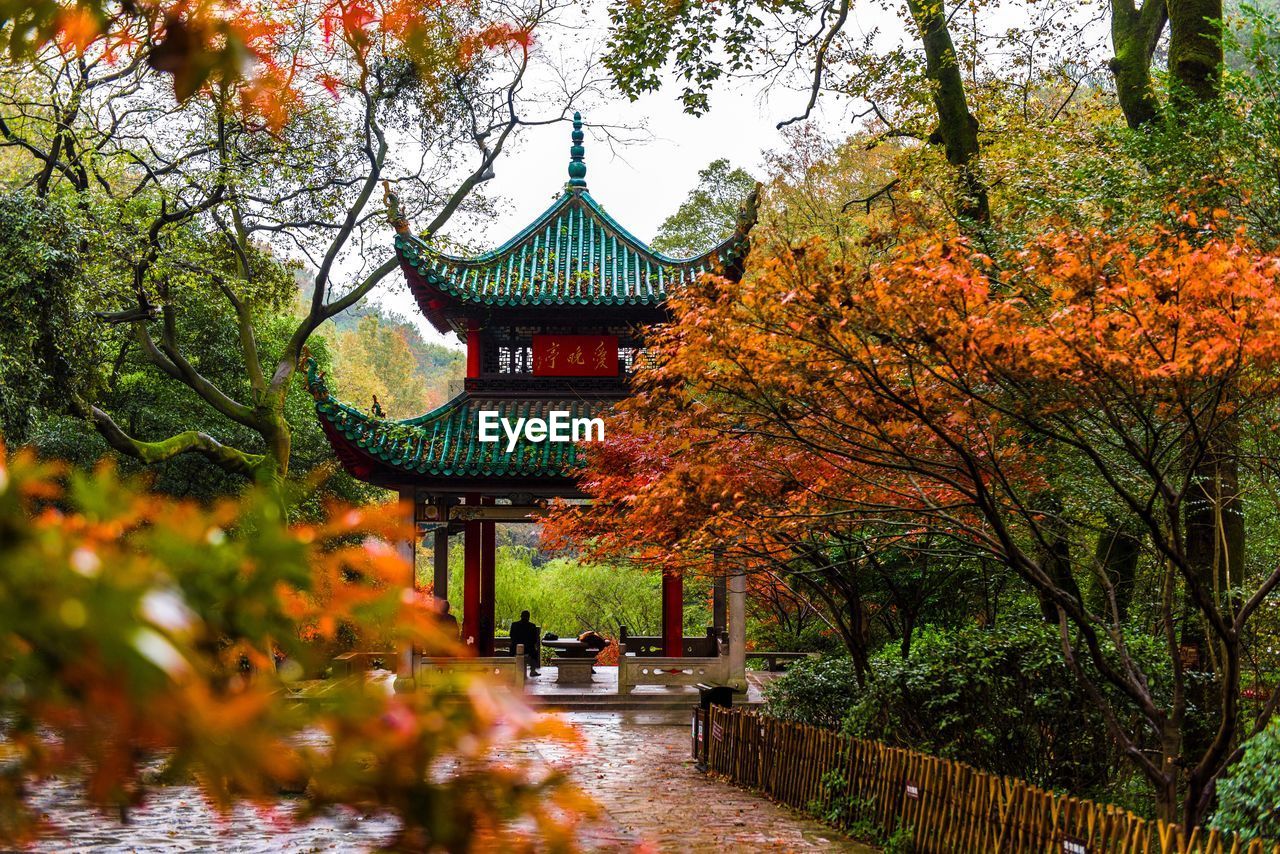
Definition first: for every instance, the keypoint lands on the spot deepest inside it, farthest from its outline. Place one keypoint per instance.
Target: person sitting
(448, 622)
(525, 632)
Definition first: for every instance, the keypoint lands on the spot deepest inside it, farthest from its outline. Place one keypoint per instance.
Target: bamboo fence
(948, 806)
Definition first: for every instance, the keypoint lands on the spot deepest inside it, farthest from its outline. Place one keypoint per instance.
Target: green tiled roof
(444, 442)
(573, 254)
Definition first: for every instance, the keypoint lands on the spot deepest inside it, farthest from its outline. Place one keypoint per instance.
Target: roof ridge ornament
(577, 165)
(395, 214)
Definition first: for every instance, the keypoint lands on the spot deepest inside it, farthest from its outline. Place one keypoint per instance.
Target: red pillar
(488, 573)
(672, 614)
(471, 582)
(473, 350)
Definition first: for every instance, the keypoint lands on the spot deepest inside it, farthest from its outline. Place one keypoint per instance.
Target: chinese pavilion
(553, 320)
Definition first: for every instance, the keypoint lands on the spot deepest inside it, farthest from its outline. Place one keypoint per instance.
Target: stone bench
(502, 668)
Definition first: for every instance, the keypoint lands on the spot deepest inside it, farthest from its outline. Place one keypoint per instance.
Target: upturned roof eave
(431, 301)
(442, 445)
(562, 201)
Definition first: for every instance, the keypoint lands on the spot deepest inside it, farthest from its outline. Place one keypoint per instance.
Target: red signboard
(575, 355)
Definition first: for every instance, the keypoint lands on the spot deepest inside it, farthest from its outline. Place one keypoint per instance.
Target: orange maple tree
(1014, 405)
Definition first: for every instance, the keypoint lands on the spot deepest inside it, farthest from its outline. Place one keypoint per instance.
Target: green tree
(569, 596)
(381, 357)
(710, 212)
(45, 344)
(201, 198)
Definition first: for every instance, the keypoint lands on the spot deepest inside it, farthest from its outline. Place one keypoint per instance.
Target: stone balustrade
(508, 669)
(661, 670)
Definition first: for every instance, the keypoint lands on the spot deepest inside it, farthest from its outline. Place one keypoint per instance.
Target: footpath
(639, 768)
(635, 764)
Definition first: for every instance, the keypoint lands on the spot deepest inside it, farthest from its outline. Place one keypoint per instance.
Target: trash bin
(708, 696)
(714, 695)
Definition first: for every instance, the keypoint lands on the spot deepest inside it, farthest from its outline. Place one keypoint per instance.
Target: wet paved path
(637, 766)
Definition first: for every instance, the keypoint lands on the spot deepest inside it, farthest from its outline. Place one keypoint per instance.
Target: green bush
(1002, 700)
(813, 636)
(816, 691)
(1249, 800)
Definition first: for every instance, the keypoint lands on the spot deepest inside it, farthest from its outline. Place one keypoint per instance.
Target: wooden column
(474, 350)
(672, 614)
(488, 582)
(409, 550)
(471, 582)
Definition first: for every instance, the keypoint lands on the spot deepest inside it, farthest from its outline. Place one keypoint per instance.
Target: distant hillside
(375, 353)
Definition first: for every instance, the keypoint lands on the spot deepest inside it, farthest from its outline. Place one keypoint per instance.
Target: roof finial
(577, 168)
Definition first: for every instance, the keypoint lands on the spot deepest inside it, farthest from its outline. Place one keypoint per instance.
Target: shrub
(1249, 800)
(134, 626)
(1002, 700)
(816, 691)
(764, 633)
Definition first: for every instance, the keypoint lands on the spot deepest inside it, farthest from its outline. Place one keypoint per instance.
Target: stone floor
(636, 765)
(178, 819)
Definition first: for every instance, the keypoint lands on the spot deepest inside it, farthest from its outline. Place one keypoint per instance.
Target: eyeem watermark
(561, 426)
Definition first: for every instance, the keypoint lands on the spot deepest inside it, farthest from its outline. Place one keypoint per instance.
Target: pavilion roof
(573, 254)
(443, 443)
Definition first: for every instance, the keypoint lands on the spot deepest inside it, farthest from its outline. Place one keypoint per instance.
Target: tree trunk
(957, 128)
(1134, 35)
(908, 631)
(1215, 542)
(1195, 49)
(1213, 512)
(1055, 560)
(1117, 554)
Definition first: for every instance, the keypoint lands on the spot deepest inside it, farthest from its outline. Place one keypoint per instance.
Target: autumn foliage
(136, 628)
(825, 373)
(266, 55)
(847, 400)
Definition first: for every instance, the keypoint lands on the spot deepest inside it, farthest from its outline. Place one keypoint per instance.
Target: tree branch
(192, 441)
